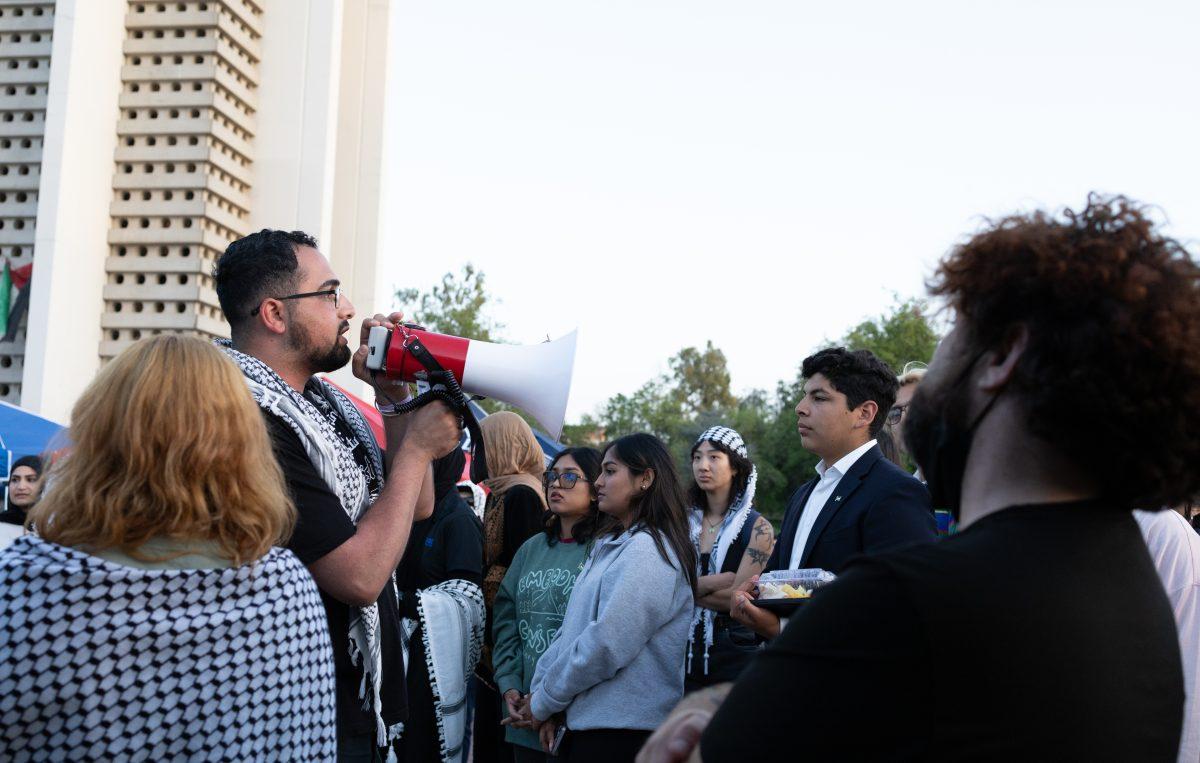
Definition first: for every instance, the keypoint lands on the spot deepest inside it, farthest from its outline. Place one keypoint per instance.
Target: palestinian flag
(10, 316)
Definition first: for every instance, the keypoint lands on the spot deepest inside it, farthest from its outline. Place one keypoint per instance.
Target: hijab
(513, 454)
(32, 462)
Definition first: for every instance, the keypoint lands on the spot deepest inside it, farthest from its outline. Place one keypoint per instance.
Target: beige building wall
(324, 153)
(170, 129)
(26, 36)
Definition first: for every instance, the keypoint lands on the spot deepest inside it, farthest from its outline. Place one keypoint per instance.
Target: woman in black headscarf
(24, 489)
(446, 546)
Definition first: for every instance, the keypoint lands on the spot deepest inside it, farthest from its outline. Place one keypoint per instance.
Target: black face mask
(939, 439)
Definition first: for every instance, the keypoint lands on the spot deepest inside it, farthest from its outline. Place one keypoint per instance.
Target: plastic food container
(790, 587)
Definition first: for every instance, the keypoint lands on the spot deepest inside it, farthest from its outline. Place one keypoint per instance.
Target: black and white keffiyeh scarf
(731, 528)
(101, 661)
(451, 622)
(357, 482)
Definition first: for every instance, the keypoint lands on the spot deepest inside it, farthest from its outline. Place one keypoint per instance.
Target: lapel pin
(837, 498)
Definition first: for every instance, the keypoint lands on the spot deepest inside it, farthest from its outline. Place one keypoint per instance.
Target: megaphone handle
(451, 393)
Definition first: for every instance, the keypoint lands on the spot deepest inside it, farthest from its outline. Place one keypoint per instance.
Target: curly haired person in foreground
(1067, 393)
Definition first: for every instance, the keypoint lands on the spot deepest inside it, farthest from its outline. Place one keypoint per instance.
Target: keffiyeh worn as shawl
(100, 661)
(451, 623)
(731, 528)
(332, 454)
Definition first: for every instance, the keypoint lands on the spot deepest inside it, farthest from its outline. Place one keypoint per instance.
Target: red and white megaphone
(533, 377)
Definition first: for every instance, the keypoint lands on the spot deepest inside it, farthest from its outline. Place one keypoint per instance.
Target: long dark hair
(660, 509)
(741, 476)
(585, 529)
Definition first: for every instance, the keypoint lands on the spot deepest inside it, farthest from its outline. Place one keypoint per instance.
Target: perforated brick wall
(183, 164)
(26, 29)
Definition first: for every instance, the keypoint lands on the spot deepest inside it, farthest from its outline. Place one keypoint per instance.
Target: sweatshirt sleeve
(506, 638)
(643, 587)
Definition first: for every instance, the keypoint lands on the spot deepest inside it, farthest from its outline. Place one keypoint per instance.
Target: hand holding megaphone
(435, 430)
(393, 388)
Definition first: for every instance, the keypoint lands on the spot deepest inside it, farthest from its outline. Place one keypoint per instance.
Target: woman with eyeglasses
(615, 668)
(533, 597)
(515, 512)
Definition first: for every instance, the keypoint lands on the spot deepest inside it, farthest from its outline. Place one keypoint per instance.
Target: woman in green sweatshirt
(533, 597)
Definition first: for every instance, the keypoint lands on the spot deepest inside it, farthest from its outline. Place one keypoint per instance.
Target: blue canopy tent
(24, 434)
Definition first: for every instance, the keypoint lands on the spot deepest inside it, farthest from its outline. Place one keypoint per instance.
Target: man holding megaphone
(289, 321)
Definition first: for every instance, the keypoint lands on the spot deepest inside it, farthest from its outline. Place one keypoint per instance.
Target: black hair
(742, 469)
(858, 375)
(255, 267)
(447, 471)
(586, 528)
(660, 510)
(33, 462)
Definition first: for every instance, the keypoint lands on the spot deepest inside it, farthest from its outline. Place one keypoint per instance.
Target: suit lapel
(841, 496)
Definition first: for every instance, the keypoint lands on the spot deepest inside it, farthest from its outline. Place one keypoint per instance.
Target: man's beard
(938, 437)
(320, 359)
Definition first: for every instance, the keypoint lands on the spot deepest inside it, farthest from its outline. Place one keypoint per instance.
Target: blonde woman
(149, 615)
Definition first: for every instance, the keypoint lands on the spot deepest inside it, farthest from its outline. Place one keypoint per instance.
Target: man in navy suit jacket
(859, 502)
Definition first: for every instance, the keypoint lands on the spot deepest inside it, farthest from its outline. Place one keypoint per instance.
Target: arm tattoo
(759, 558)
(762, 528)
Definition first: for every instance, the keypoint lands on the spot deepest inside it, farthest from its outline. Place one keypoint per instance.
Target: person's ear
(647, 479)
(1000, 365)
(865, 414)
(272, 315)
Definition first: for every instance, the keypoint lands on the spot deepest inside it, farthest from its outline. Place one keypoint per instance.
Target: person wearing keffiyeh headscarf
(733, 542)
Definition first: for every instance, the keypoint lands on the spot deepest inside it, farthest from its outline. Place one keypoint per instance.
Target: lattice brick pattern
(184, 164)
(25, 34)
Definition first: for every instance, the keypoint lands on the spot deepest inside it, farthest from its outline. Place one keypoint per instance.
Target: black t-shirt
(1039, 632)
(322, 526)
(449, 544)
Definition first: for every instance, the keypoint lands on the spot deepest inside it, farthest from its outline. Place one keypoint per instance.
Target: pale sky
(761, 174)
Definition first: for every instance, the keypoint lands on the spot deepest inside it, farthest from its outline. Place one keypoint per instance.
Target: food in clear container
(792, 584)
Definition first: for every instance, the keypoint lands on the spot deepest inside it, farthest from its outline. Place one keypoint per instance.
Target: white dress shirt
(1175, 548)
(830, 476)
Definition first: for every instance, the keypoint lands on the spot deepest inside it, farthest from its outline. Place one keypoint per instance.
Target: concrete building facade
(137, 139)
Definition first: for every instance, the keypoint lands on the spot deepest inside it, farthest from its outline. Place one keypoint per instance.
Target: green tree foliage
(700, 381)
(897, 337)
(458, 305)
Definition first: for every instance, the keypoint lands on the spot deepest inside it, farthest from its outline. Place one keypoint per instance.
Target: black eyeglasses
(336, 293)
(896, 413)
(565, 480)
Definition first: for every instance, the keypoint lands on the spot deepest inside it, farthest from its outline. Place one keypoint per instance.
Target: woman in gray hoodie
(616, 667)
